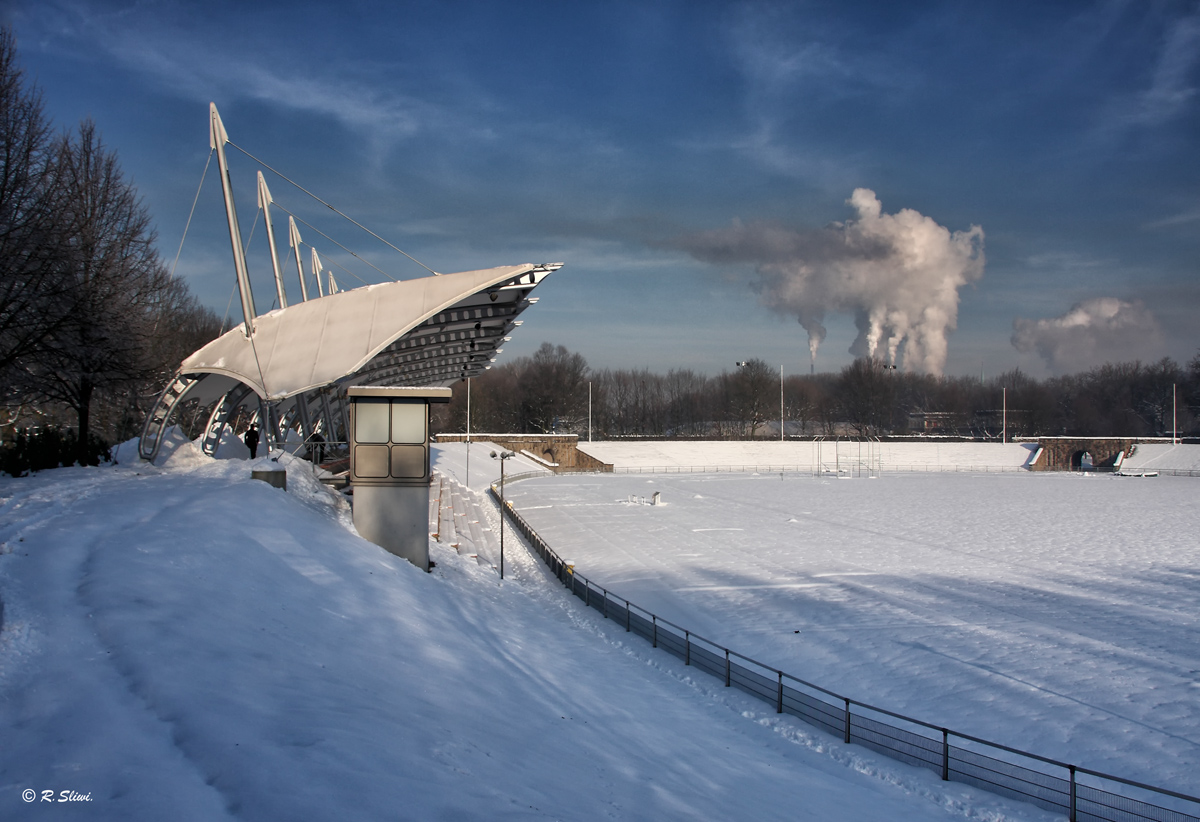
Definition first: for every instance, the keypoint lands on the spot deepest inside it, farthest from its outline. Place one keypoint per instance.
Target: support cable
(339, 245)
(228, 306)
(191, 213)
(334, 210)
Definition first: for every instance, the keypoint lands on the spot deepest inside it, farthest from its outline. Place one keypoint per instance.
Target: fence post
(687, 648)
(626, 616)
(654, 620)
(587, 593)
(726, 667)
(1071, 817)
(847, 701)
(605, 594)
(779, 698)
(945, 755)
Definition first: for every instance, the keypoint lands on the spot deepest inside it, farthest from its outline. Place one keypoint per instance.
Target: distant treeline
(549, 391)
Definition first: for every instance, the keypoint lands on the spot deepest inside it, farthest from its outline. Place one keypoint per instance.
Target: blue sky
(692, 163)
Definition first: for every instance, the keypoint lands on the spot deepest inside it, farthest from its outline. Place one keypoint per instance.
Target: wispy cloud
(169, 54)
(1172, 88)
(780, 50)
(1185, 218)
(788, 61)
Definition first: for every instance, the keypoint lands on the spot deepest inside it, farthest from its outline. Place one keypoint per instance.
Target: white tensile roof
(430, 331)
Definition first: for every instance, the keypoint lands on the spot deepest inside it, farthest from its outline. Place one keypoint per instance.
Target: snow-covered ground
(1164, 457)
(182, 642)
(1055, 613)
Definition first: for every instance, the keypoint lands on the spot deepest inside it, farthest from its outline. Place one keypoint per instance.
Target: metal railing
(1082, 794)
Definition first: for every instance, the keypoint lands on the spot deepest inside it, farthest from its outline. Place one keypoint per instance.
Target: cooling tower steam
(897, 274)
(1091, 332)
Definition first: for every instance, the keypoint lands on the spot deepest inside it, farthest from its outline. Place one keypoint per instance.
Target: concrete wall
(560, 449)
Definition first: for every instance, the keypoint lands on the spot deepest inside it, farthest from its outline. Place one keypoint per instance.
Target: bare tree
(115, 282)
(867, 392)
(554, 389)
(752, 392)
(33, 279)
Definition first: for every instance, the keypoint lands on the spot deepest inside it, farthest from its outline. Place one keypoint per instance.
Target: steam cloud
(1093, 331)
(898, 274)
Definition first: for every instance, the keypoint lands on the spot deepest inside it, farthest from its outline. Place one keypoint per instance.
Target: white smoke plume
(1092, 332)
(898, 274)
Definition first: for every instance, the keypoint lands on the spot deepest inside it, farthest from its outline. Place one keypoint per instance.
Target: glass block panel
(408, 421)
(371, 420)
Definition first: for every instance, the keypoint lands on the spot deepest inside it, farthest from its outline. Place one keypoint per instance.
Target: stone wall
(1065, 453)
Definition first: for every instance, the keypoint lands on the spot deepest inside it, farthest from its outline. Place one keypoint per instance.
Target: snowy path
(190, 644)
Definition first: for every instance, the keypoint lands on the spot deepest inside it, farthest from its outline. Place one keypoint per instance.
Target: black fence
(1083, 795)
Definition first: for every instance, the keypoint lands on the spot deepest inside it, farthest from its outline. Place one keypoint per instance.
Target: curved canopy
(428, 331)
(431, 331)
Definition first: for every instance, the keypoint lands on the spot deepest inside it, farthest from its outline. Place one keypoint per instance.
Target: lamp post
(468, 432)
(502, 456)
(743, 364)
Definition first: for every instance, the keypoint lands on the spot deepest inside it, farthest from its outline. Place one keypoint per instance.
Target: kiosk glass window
(408, 461)
(408, 421)
(371, 420)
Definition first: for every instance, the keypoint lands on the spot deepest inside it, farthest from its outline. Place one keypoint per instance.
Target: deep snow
(184, 642)
(1055, 613)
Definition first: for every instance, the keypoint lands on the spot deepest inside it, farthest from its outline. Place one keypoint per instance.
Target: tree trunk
(84, 410)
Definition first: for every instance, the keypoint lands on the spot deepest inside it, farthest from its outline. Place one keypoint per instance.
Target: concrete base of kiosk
(395, 518)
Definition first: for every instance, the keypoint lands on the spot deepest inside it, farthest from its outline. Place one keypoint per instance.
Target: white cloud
(1102, 329)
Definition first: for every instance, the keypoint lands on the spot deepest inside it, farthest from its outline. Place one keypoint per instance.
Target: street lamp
(502, 456)
(743, 364)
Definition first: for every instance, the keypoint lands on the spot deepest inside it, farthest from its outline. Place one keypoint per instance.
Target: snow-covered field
(1054, 613)
(182, 642)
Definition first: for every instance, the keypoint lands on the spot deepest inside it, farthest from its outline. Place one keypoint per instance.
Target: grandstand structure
(289, 369)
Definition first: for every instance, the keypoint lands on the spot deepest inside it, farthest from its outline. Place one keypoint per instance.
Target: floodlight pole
(781, 414)
(1004, 417)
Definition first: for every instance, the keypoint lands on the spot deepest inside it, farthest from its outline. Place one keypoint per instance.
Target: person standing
(251, 440)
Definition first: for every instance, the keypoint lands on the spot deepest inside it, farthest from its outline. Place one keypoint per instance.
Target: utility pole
(781, 415)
